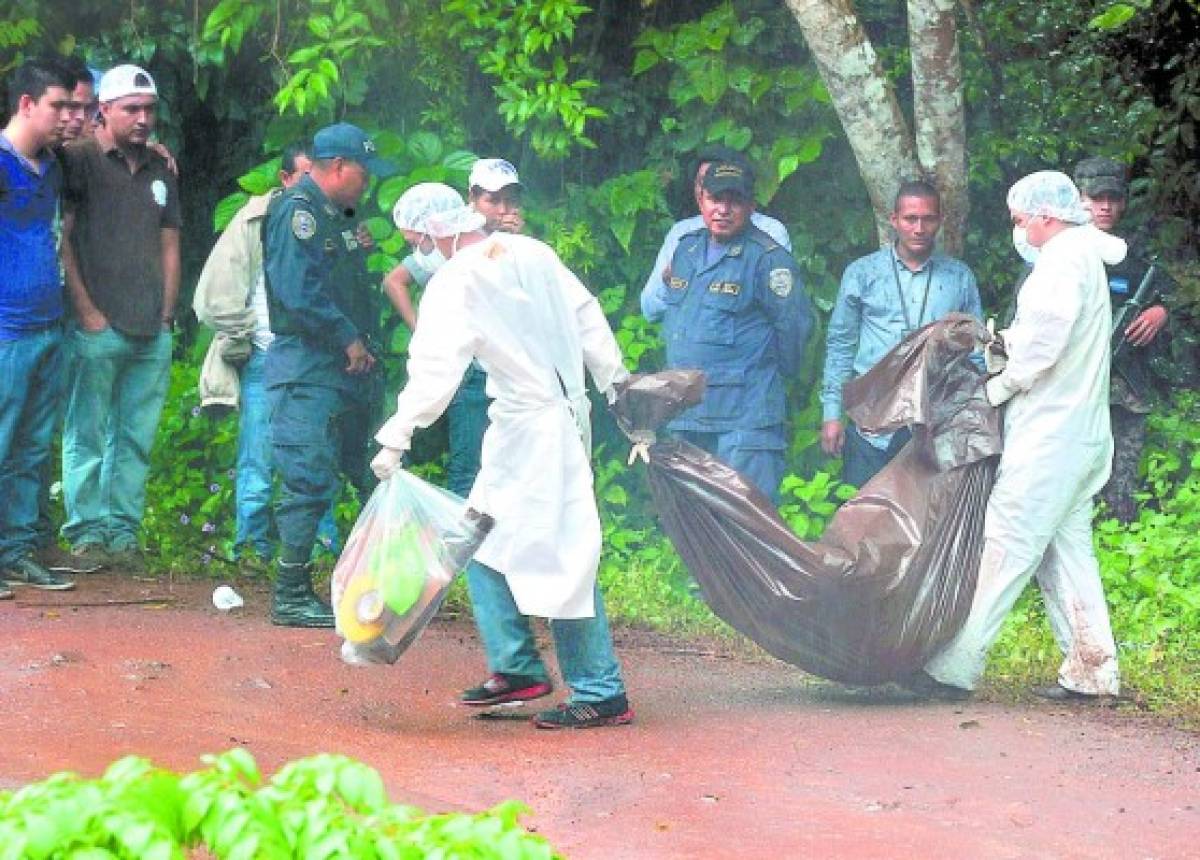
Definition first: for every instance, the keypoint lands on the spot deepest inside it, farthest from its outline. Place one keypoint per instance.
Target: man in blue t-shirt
(31, 309)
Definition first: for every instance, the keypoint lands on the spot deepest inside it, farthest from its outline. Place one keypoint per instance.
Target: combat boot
(293, 602)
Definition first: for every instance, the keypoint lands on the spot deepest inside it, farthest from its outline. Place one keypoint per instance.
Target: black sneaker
(56, 559)
(501, 688)
(587, 715)
(928, 687)
(26, 571)
(129, 559)
(1059, 693)
(91, 556)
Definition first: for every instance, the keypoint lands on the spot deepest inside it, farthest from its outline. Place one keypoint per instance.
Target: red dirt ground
(727, 757)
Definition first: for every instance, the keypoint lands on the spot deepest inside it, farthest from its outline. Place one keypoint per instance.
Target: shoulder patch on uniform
(780, 281)
(304, 225)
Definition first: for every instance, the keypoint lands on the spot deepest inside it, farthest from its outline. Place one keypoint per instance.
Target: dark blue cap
(344, 140)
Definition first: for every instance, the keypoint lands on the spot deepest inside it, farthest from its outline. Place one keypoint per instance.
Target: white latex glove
(998, 391)
(387, 463)
(995, 357)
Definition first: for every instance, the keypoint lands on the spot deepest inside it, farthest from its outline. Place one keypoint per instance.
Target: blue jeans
(759, 455)
(30, 386)
(583, 645)
(254, 477)
(468, 419)
(862, 461)
(118, 386)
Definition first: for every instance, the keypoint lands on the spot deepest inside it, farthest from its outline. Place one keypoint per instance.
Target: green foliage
(809, 504)
(189, 514)
(719, 69)
(325, 806)
(521, 44)
(15, 34)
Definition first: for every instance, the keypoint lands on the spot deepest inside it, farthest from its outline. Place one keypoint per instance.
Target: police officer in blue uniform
(318, 365)
(736, 309)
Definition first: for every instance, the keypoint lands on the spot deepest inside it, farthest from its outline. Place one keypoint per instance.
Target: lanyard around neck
(908, 326)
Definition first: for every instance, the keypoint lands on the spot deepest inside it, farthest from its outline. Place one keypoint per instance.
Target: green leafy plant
(325, 806)
(522, 45)
(809, 504)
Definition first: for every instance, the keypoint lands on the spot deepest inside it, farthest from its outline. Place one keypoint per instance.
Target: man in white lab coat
(509, 303)
(1057, 450)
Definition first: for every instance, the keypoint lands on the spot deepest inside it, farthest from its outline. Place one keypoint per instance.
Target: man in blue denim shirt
(736, 309)
(884, 297)
(31, 310)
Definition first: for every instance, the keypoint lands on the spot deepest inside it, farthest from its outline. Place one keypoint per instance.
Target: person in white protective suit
(1057, 450)
(508, 302)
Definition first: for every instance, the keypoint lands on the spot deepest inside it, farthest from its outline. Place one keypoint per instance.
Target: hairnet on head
(415, 206)
(453, 222)
(1049, 193)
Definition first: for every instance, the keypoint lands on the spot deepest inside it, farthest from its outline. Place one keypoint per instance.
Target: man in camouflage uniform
(1104, 187)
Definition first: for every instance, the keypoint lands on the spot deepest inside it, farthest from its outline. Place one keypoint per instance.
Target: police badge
(304, 225)
(780, 282)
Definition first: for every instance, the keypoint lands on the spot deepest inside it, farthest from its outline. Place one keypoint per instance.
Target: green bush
(314, 808)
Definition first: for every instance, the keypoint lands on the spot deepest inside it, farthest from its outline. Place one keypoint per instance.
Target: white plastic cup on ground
(225, 598)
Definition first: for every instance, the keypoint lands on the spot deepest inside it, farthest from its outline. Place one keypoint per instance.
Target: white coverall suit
(1057, 455)
(509, 302)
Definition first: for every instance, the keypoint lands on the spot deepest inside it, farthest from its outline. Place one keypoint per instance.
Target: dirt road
(727, 758)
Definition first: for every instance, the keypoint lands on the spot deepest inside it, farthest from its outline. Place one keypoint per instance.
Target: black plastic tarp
(892, 578)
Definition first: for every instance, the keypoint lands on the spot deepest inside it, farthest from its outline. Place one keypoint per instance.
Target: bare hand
(514, 223)
(364, 237)
(156, 146)
(833, 438)
(360, 361)
(1146, 327)
(93, 321)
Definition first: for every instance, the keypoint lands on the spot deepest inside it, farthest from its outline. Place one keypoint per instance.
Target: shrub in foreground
(321, 807)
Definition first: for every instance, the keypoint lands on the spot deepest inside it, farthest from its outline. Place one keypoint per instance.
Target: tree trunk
(865, 102)
(938, 112)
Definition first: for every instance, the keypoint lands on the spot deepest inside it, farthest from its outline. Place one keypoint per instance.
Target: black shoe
(928, 687)
(293, 602)
(587, 715)
(89, 557)
(57, 560)
(501, 688)
(1059, 693)
(129, 559)
(26, 571)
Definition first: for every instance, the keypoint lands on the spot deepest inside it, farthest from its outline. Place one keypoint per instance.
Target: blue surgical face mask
(1020, 241)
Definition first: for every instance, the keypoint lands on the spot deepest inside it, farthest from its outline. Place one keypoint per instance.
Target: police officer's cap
(344, 140)
(1097, 176)
(725, 176)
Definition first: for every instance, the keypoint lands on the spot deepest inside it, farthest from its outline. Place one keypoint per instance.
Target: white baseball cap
(492, 174)
(126, 80)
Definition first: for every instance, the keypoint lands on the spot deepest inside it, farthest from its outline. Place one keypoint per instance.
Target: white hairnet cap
(1049, 193)
(417, 204)
(452, 222)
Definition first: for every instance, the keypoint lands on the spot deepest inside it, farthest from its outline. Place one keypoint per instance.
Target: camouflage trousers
(1129, 437)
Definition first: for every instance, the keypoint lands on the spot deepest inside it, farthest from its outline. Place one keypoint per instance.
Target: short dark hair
(920, 188)
(295, 149)
(78, 69)
(34, 77)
